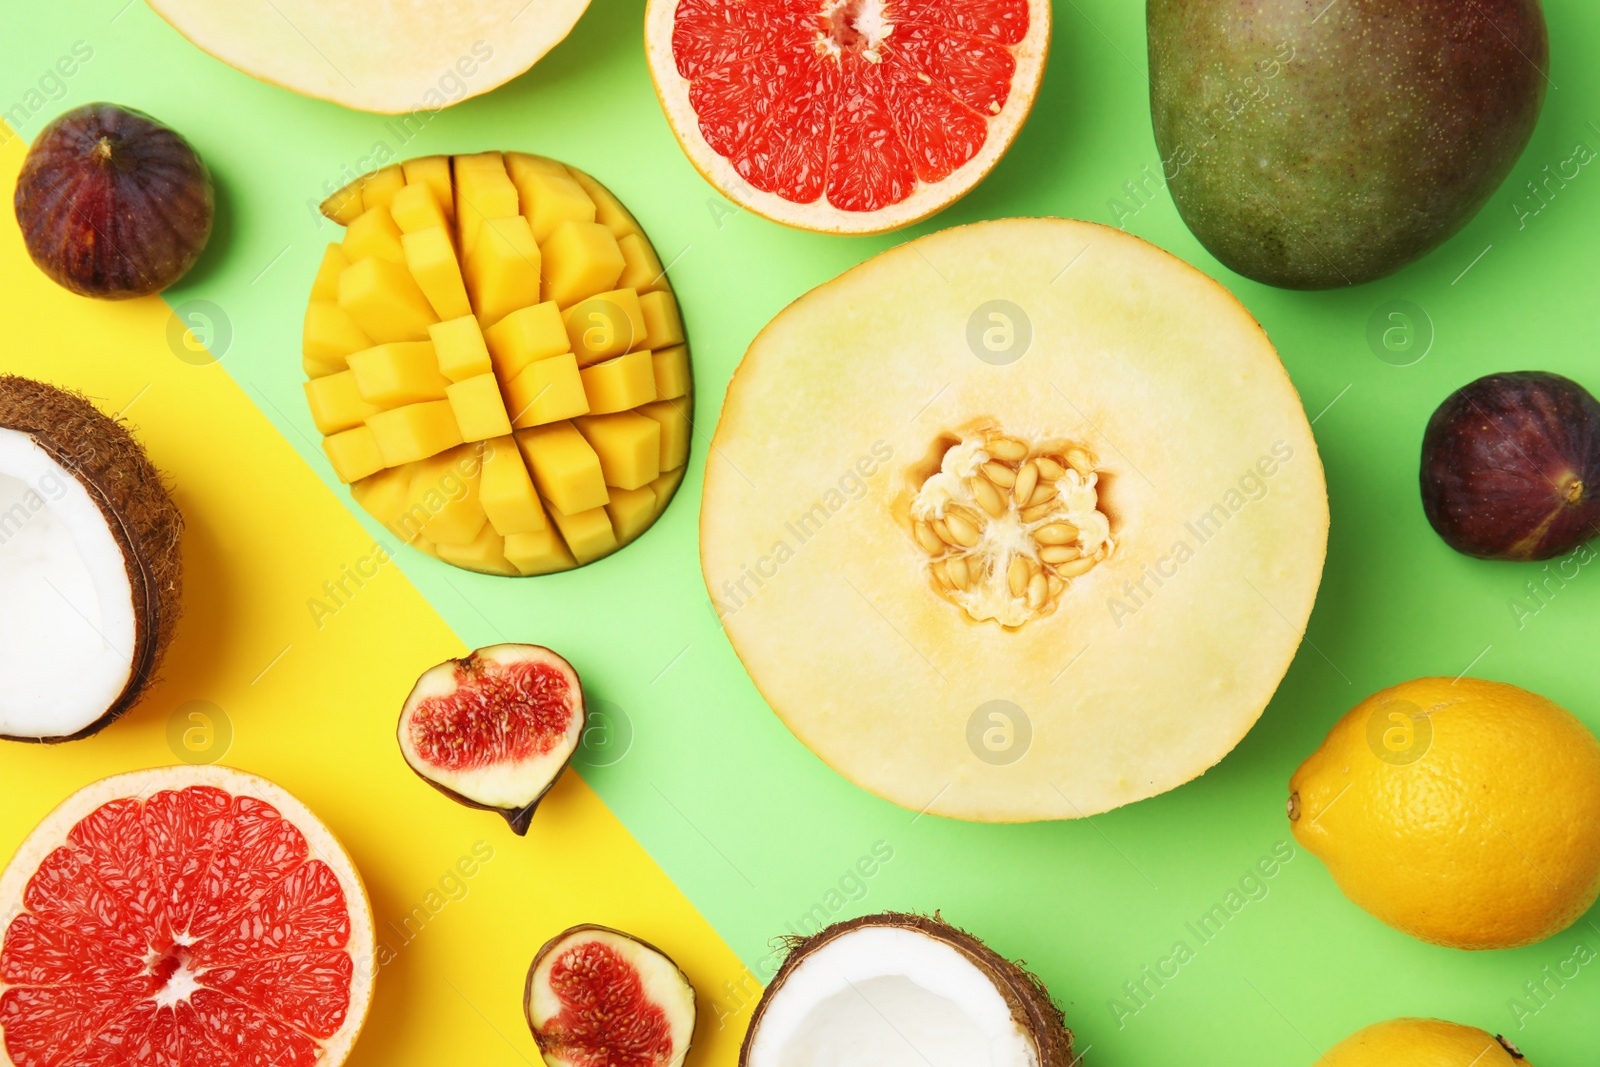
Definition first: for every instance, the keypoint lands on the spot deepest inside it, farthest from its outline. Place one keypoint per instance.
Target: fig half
(1511, 467)
(597, 997)
(895, 990)
(495, 729)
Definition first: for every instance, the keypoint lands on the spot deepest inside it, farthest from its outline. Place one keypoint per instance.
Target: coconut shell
(143, 518)
(1031, 1003)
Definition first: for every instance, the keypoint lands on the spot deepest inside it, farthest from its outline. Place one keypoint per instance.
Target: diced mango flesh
(621, 383)
(628, 445)
(336, 403)
(385, 301)
(479, 410)
(565, 468)
(402, 372)
(497, 362)
(416, 431)
(605, 325)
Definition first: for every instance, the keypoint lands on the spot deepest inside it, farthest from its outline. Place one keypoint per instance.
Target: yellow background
(314, 707)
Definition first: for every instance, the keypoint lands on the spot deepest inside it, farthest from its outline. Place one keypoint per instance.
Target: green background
(757, 831)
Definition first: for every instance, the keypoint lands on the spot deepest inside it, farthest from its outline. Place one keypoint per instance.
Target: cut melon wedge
(1021, 520)
(376, 56)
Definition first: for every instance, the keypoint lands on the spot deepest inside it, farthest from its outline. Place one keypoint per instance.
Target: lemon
(1422, 1043)
(1465, 812)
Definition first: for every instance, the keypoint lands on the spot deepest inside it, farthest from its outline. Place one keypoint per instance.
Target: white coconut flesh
(68, 633)
(507, 785)
(888, 997)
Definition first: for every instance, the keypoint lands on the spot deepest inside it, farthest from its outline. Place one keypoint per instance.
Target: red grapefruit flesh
(495, 729)
(180, 917)
(846, 116)
(597, 997)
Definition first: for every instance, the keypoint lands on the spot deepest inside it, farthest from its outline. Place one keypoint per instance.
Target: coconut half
(90, 568)
(374, 55)
(896, 990)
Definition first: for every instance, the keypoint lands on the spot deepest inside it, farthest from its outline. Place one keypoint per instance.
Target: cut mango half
(498, 362)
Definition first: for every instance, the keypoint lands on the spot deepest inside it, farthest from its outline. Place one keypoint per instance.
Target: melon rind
(672, 90)
(1156, 367)
(52, 832)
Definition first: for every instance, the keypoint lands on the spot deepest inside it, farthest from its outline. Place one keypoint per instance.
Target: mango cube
(446, 486)
(608, 210)
(344, 206)
(385, 301)
(519, 165)
(547, 390)
(539, 552)
(415, 431)
(588, 533)
(502, 268)
(402, 372)
(672, 371)
(666, 485)
(564, 467)
(414, 208)
(326, 284)
(506, 490)
(373, 233)
(354, 454)
(619, 384)
(336, 403)
(385, 495)
(676, 430)
(524, 336)
(605, 325)
(641, 268)
(628, 444)
(580, 260)
(486, 553)
(662, 326)
(460, 348)
(431, 258)
(434, 172)
(631, 511)
(550, 197)
(381, 185)
(482, 191)
(480, 412)
(330, 335)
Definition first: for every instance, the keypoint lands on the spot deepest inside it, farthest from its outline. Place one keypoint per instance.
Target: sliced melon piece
(1021, 520)
(90, 569)
(372, 55)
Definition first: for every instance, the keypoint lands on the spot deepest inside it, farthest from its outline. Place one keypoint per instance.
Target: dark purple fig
(1511, 467)
(112, 203)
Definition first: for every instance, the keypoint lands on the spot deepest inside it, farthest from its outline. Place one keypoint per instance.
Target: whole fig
(1511, 467)
(112, 203)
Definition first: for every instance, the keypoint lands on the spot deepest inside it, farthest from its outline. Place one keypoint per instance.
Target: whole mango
(1325, 144)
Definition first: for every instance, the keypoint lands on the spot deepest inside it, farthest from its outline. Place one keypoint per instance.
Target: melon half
(1021, 520)
(373, 55)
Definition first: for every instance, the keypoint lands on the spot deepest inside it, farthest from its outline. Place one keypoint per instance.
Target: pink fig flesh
(496, 728)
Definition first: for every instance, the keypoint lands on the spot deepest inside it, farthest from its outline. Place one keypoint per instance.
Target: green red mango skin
(1511, 467)
(112, 203)
(1312, 144)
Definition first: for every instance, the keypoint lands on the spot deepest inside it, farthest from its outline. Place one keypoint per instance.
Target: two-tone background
(694, 819)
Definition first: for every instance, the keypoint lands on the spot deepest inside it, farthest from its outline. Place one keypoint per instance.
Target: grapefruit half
(846, 116)
(182, 916)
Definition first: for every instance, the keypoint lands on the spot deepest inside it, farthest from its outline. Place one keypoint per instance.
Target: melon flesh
(373, 55)
(1151, 666)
